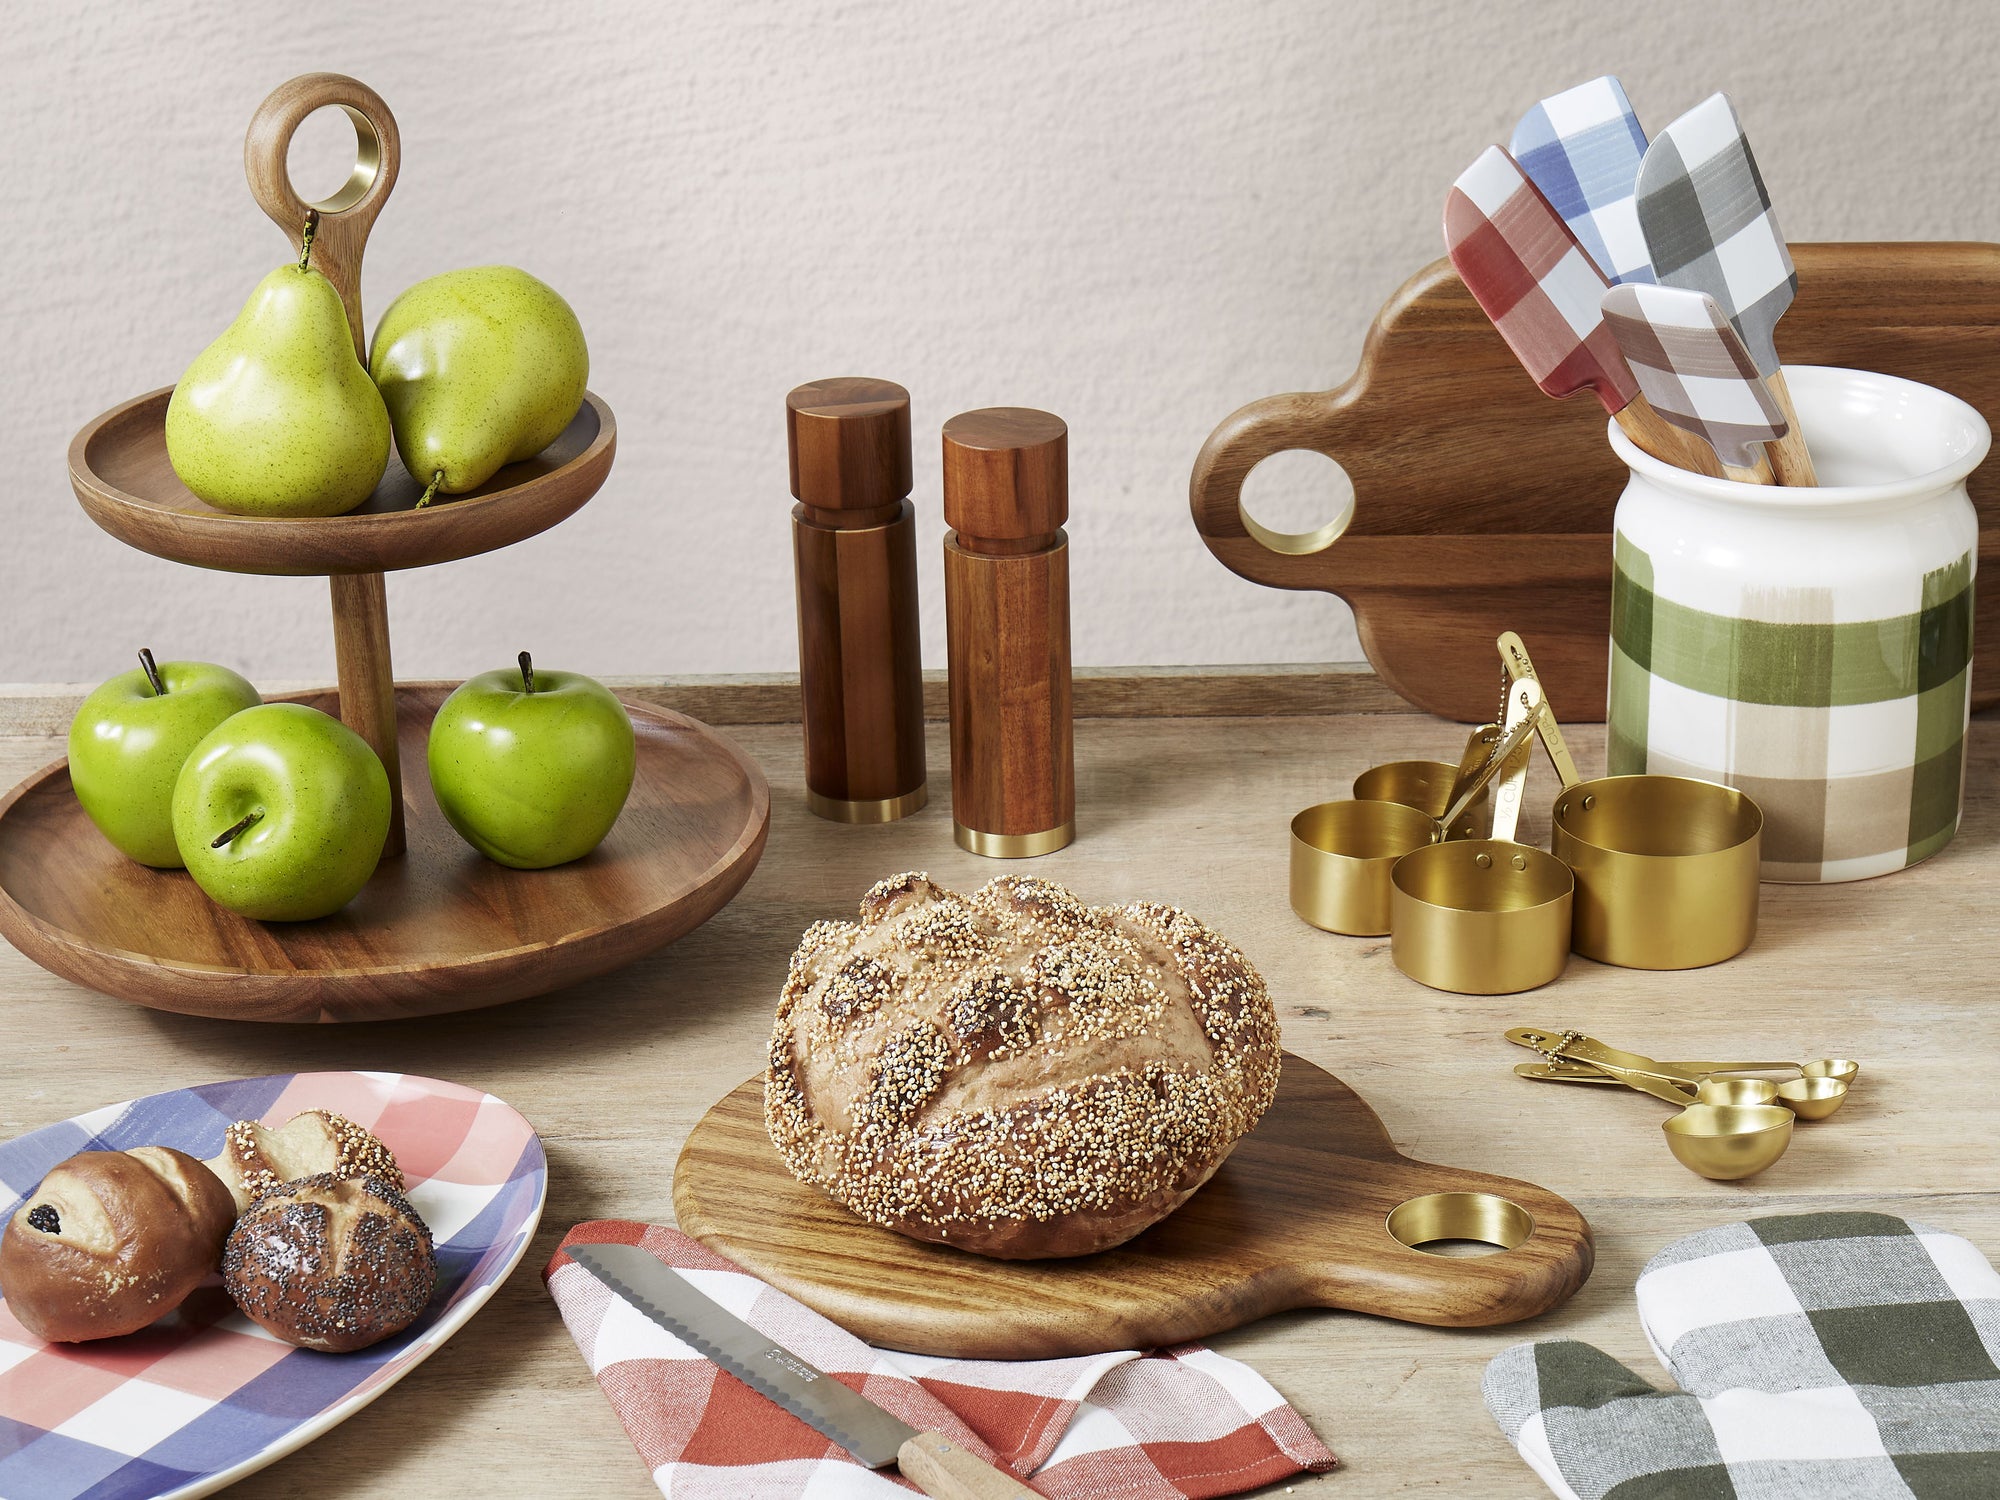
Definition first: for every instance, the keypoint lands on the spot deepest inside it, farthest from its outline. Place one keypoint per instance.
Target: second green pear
(480, 368)
(277, 417)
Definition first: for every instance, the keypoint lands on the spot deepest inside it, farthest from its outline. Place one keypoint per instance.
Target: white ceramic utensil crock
(1811, 646)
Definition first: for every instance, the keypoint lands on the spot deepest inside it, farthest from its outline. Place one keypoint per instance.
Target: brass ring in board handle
(341, 233)
(1275, 424)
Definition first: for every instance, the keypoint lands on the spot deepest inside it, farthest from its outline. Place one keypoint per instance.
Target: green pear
(277, 417)
(480, 368)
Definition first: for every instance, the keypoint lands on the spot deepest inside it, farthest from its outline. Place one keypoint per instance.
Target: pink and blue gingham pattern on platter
(204, 1396)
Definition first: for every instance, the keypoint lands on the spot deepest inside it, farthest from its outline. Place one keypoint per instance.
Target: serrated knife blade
(850, 1419)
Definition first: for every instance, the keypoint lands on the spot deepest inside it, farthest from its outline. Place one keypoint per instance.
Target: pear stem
(431, 489)
(527, 673)
(234, 829)
(306, 239)
(152, 672)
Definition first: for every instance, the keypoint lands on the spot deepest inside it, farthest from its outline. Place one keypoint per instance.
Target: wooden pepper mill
(1006, 599)
(854, 548)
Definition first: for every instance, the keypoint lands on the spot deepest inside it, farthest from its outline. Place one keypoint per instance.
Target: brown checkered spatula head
(1693, 367)
(1544, 294)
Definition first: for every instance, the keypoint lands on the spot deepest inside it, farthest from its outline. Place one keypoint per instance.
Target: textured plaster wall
(1138, 215)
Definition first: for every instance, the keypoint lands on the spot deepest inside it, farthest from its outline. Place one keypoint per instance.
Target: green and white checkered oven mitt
(1833, 1354)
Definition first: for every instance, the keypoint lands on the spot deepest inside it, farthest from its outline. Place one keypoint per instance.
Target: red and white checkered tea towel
(1182, 1422)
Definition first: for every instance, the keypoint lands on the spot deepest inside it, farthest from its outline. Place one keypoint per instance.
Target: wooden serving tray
(441, 928)
(1483, 506)
(1295, 1218)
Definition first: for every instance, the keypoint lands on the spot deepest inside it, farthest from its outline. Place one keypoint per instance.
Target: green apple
(281, 813)
(129, 740)
(277, 417)
(480, 368)
(532, 767)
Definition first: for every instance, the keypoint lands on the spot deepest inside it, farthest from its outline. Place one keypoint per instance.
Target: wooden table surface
(1897, 972)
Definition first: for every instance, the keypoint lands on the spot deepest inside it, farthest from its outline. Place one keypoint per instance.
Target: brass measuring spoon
(1722, 1132)
(1485, 916)
(1819, 1090)
(1666, 866)
(1343, 852)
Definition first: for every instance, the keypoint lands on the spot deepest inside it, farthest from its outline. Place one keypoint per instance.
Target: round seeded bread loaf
(1013, 1072)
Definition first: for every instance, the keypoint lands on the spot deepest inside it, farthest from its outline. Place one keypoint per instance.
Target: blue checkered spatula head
(1709, 226)
(1582, 148)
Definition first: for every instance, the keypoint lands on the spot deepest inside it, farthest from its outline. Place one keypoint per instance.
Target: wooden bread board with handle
(1481, 505)
(1297, 1217)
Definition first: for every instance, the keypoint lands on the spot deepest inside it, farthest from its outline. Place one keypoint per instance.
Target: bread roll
(331, 1263)
(1016, 1073)
(256, 1160)
(110, 1241)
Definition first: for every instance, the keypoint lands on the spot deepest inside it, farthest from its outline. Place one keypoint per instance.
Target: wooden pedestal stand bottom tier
(1314, 1208)
(438, 928)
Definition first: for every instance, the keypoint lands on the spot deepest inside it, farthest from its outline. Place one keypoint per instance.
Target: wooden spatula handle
(345, 218)
(1654, 434)
(944, 1471)
(1791, 461)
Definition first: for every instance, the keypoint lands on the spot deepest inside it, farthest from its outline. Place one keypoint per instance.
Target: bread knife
(878, 1438)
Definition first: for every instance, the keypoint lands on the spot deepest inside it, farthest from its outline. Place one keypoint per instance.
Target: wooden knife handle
(944, 1471)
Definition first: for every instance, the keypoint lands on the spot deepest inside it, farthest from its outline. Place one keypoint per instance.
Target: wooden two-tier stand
(439, 927)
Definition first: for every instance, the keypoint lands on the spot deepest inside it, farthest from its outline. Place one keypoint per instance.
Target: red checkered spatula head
(1524, 267)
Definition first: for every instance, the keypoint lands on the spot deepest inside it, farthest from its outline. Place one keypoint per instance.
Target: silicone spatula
(1582, 148)
(1687, 358)
(1525, 268)
(1709, 227)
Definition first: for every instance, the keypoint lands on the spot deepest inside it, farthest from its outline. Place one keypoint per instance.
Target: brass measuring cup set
(1644, 872)
(1728, 1127)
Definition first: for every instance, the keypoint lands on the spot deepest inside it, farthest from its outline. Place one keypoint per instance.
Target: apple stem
(431, 489)
(152, 672)
(306, 239)
(527, 673)
(234, 829)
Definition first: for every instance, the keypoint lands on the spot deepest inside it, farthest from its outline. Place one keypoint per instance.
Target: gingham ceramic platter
(204, 1396)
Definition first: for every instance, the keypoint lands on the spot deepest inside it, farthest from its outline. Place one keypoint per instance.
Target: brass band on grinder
(1012, 845)
(881, 810)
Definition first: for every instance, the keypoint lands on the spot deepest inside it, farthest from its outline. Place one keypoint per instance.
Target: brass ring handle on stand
(344, 219)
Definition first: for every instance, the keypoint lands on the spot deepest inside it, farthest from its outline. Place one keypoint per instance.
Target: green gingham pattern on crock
(1826, 1354)
(1849, 734)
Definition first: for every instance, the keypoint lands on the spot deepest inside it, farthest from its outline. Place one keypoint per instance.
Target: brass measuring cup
(1485, 916)
(1342, 852)
(1430, 785)
(1666, 866)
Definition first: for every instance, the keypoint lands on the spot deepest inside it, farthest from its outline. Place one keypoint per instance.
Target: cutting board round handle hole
(1492, 1224)
(1304, 482)
(1287, 423)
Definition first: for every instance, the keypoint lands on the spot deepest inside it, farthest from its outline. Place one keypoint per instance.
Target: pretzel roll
(256, 1159)
(110, 1241)
(331, 1263)
(1013, 1072)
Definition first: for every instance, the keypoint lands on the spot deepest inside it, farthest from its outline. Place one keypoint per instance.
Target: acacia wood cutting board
(1481, 505)
(1294, 1218)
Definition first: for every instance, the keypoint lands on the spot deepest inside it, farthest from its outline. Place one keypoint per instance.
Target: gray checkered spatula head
(1694, 369)
(1708, 224)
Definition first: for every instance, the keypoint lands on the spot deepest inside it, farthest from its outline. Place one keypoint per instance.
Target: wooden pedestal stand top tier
(441, 929)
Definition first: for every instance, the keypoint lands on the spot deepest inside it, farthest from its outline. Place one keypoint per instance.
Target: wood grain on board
(1482, 506)
(1295, 1218)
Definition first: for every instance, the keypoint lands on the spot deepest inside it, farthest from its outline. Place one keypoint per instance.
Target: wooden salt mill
(854, 550)
(1006, 599)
